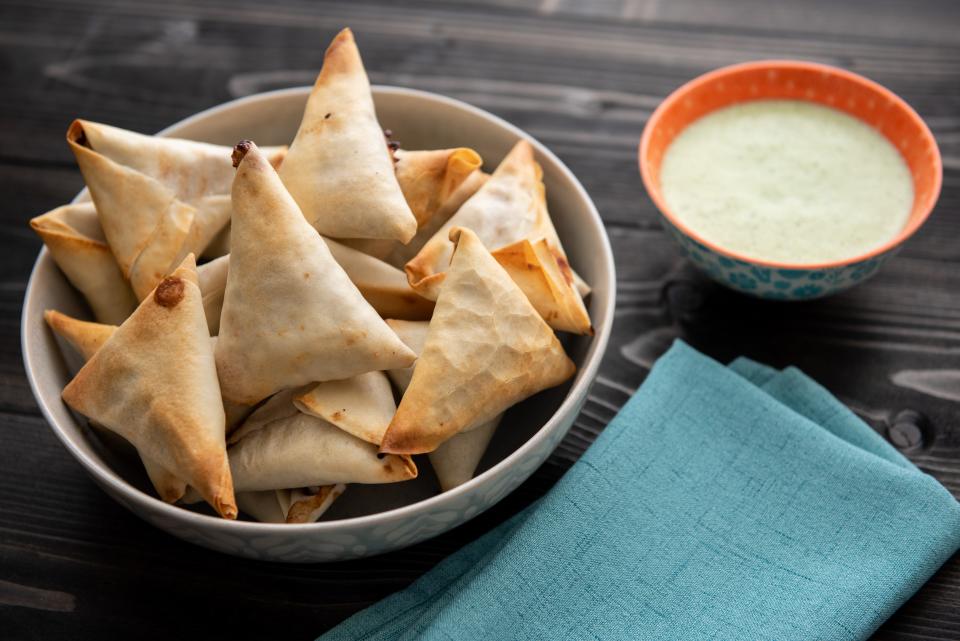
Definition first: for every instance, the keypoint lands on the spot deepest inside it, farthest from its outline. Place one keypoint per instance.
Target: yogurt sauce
(787, 181)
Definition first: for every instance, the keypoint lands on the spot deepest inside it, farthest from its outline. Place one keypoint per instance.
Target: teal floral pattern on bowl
(770, 282)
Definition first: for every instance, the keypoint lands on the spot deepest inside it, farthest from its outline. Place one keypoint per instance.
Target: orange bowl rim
(774, 64)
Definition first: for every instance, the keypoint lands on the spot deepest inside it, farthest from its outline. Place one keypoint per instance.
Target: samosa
(362, 405)
(302, 505)
(192, 170)
(339, 169)
(154, 382)
(456, 459)
(280, 447)
(157, 199)
(487, 349)
(511, 206)
(291, 315)
(552, 290)
(75, 239)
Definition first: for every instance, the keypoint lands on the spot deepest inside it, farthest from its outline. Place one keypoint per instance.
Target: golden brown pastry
(487, 349)
(291, 315)
(73, 235)
(281, 447)
(86, 338)
(154, 382)
(362, 405)
(158, 199)
(339, 169)
(552, 290)
(289, 506)
(456, 459)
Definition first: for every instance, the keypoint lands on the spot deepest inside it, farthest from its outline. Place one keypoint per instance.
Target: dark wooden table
(582, 77)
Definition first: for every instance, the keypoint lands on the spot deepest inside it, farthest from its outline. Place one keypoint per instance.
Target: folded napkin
(721, 503)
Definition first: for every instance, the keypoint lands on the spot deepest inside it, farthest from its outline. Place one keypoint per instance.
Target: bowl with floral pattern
(791, 80)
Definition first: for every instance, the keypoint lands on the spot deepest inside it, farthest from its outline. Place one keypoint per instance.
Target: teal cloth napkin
(722, 503)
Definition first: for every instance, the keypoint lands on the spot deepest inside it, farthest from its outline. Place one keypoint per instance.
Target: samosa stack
(362, 304)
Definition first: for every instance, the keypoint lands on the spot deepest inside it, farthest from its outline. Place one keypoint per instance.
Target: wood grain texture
(581, 77)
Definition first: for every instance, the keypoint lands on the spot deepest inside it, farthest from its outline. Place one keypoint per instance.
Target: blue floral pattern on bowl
(770, 282)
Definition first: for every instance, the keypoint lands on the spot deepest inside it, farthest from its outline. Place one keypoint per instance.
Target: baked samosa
(456, 459)
(289, 506)
(158, 199)
(154, 382)
(86, 338)
(511, 206)
(73, 235)
(299, 450)
(552, 290)
(339, 169)
(429, 177)
(291, 315)
(362, 405)
(487, 349)
(148, 229)
(191, 170)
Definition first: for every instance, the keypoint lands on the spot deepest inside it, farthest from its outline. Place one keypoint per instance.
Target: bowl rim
(579, 388)
(653, 188)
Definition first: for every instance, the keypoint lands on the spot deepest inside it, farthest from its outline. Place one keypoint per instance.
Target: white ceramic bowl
(367, 519)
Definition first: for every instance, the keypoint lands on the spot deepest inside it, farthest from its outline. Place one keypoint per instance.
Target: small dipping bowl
(791, 80)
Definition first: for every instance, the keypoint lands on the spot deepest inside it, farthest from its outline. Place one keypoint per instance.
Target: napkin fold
(722, 503)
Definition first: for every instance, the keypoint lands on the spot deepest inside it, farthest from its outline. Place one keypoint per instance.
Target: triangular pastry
(154, 382)
(510, 206)
(291, 315)
(362, 405)
(295, 450)
(158, 199)
(487, 349)
(73, 235)
(339, 169)
(456, 459)
(552, 290)
(191, 170)
(86, 338)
